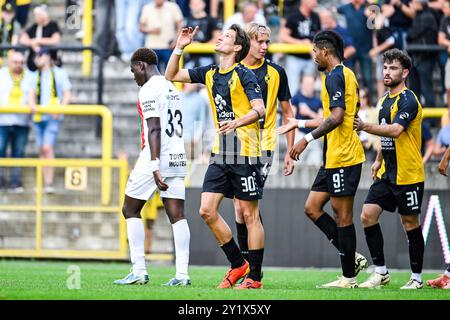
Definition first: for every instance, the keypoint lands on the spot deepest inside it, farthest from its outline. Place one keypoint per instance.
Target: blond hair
(253, 29)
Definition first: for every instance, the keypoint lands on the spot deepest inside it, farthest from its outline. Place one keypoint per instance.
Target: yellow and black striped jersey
(342, 146)
(274, 85)
(230, 92)
(402, 158)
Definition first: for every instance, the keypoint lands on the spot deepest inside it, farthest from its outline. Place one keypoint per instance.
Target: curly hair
(399, 55)
(332, 41)
(145, 55)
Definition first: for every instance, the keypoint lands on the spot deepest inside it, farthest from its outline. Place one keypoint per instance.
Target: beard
(393, 83)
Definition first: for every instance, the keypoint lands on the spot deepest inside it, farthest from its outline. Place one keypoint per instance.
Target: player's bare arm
(296, 123)
(443, 165)
(286, 110)
(391, 130)
(173, 71)
(329, 124)
(258, 111)
(377, 163)
(154, 139)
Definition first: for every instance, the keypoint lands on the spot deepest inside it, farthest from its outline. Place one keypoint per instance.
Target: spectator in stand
(400, 14)
(195, 115)
(208, 32)
(105, 27)
(9, 27)
(22, 9)
(16, 84)
(355, 16)
(444, 40)
(44, 32)
(184, 7)
(383, 39)
(212, 8)
(442, 141)
(300, 27)
(249, 13)
(128, 36)
(428, 142)
(368, 113)
(328, 22)
(437, 7)
(307, 106)
(52, 88)
(424, 30)
(161, 21)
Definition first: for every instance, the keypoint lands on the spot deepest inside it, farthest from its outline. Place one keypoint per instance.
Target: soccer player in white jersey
(161, 164)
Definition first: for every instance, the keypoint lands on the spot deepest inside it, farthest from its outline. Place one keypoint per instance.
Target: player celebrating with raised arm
(398, 170)
(339, 177)
(272, 80)
(161, 165)
(237, 105)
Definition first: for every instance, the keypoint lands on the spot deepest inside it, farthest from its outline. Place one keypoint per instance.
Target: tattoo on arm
(328, 125)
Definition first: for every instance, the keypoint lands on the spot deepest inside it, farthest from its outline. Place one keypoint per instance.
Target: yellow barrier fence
(88, 27)
(84, 110)
(39, 207)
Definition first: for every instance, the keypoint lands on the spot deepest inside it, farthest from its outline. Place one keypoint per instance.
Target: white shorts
(142, 186)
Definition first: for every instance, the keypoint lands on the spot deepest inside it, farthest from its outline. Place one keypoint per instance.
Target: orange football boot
(233, 275)
(249, 283)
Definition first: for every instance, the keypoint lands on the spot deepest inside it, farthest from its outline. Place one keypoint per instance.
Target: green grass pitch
(25, 279)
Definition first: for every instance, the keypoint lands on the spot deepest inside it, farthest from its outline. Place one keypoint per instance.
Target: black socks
(347, 242)
(375, 242)
(328, 226)
(233, 254)
(416, 246)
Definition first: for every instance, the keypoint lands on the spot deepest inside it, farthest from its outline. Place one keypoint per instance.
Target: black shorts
(338, 182)
(264, 164)
(242, 181)
(408, 198)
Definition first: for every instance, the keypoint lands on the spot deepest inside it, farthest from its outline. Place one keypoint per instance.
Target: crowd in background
(368, 28)
(29, 79)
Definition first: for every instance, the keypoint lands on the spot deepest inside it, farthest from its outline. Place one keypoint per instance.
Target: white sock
(381, 270)
(447, 273)
(416, 276)
(182, 238)
(136, 237)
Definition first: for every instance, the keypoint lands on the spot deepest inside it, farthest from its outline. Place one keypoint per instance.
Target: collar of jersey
(229, 69)
(338, 65)
(257, 66)
(394, 95)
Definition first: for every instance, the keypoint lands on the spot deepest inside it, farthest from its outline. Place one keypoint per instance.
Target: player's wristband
(301, 123)
(309, 137)
(178, 51)
(257, 112)
(154, 165)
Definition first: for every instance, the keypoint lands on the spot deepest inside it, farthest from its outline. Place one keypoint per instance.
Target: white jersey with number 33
(158, 97)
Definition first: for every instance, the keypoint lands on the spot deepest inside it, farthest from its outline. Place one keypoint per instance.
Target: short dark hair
(145, 55)
(243, 40)
(399, 55)
(332, 41)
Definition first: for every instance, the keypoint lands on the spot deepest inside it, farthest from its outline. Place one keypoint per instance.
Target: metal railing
(39, 207)
(84, 110)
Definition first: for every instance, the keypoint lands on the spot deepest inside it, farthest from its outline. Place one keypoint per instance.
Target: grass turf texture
(23, 279)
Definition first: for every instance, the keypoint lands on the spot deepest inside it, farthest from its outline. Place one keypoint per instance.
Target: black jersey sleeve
(335, 85)
(284, 94)
(249, 83)
(198, 75)
(408, 108)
